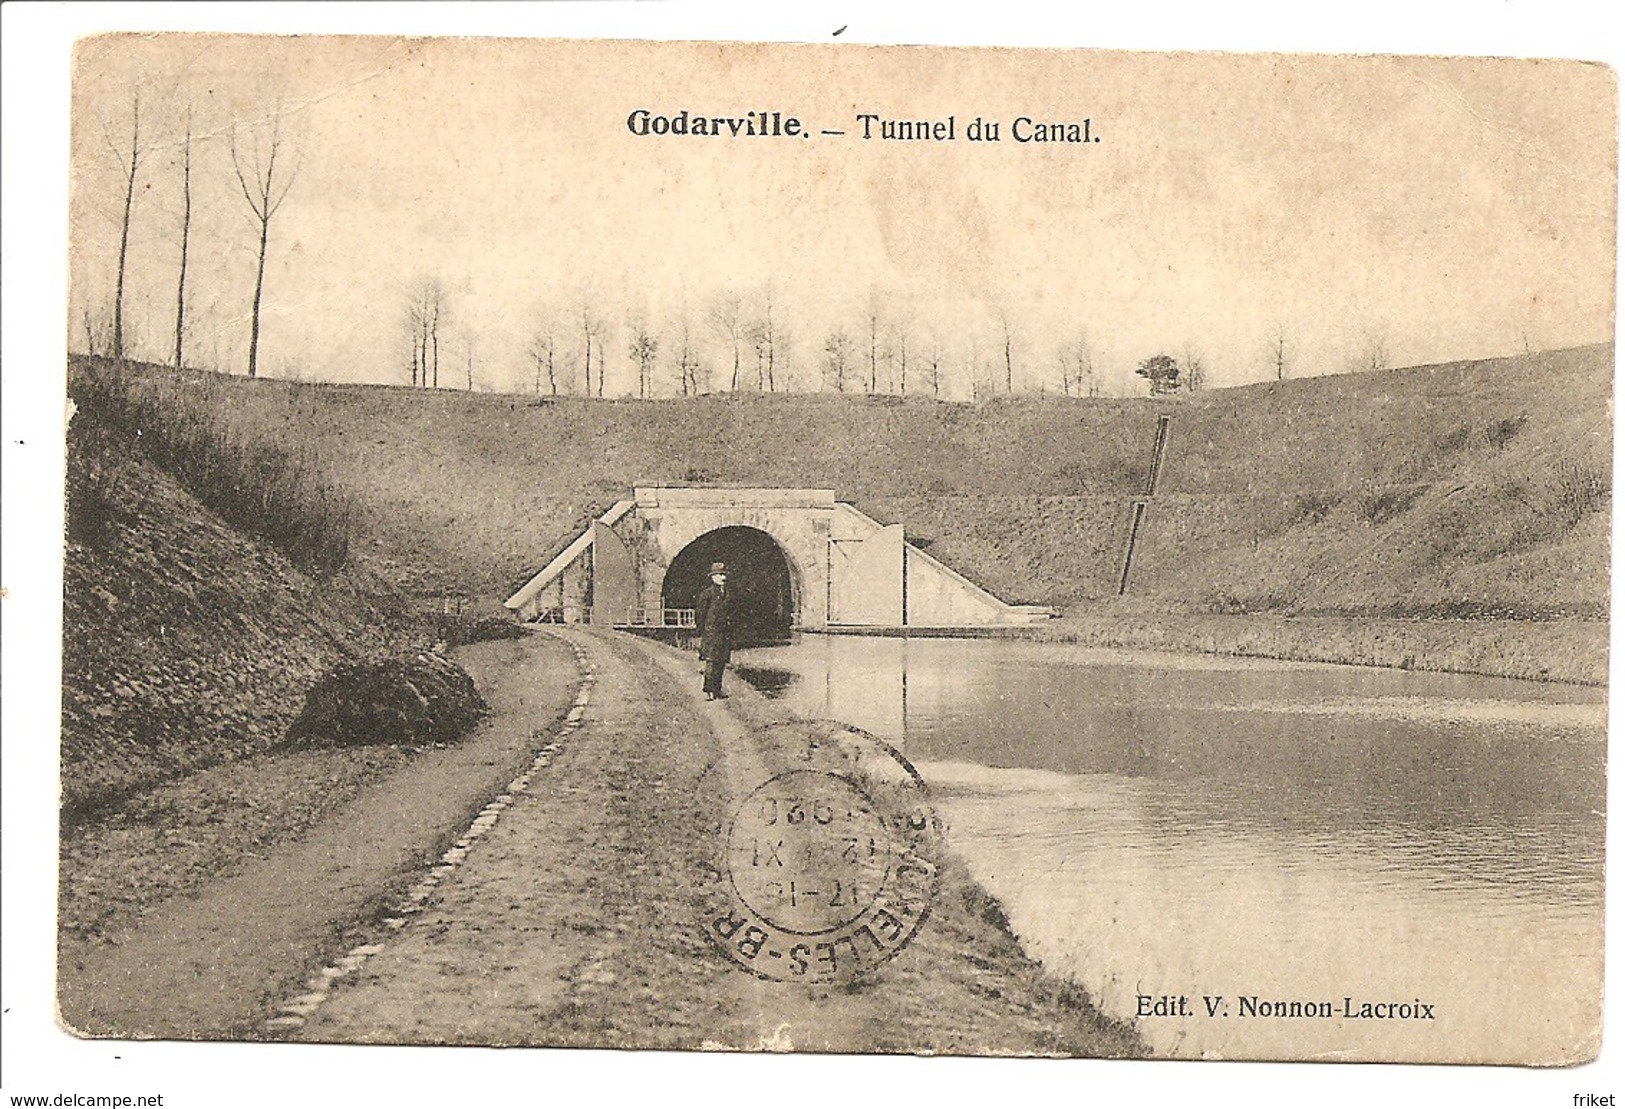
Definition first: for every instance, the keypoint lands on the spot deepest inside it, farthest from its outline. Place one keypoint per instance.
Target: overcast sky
(1444, 209)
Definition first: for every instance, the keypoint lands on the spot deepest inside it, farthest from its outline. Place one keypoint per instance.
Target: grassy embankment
(188, 641)
(1463, 507)
(207, 583)
(211, 575)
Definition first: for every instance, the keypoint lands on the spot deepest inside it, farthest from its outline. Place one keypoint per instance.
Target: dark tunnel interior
(757, 568)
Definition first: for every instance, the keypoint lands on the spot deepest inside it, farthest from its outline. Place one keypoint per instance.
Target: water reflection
(768, 680)
(1169, 824)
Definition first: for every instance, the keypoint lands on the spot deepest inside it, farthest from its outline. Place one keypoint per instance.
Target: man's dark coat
(714, 617)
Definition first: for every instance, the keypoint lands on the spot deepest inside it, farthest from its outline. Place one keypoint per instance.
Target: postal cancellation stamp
(826, 870)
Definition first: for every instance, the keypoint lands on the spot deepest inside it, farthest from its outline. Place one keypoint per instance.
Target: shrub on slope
(418, 698)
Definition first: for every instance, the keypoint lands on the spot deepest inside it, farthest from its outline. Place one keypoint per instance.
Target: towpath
(572, 918)
(206, 965)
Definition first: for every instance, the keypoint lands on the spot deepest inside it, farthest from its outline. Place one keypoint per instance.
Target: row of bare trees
(564, 340)
(755, 352)
(739, 346)
(264, 184)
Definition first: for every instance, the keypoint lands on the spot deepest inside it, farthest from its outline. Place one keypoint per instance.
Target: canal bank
(1562, 650)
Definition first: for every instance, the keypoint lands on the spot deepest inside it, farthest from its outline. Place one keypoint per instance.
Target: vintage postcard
(837, 549)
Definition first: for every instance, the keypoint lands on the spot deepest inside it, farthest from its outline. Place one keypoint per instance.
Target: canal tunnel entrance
(757, 569)
(799, 558)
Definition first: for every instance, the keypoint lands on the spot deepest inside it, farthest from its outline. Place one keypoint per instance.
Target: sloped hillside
(1476, 489)
(185, 644)
(1471, 489)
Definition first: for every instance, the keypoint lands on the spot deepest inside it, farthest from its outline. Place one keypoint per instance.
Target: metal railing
(660, 618)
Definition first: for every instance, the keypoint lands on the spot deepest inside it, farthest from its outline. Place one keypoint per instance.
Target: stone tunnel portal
(757, 568)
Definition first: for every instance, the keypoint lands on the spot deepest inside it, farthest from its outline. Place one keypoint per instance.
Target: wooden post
(905, 582)
(1128, 555)
(1157, 449)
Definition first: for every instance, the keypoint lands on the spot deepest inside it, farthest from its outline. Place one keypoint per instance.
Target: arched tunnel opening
(757, 569)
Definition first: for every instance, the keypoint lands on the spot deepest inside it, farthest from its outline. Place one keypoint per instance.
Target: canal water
(1255, 832)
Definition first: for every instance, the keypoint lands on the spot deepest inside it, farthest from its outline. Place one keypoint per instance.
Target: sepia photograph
(827, 547)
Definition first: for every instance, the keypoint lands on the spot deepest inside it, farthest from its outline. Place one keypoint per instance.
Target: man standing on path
(714, 619)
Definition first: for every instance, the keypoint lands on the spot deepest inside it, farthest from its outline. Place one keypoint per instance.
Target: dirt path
(574, 920)
(208, 966)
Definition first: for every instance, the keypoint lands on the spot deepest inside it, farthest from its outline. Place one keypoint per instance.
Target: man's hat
(719, 568)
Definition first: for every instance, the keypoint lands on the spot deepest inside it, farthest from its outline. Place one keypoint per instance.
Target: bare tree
(1373, 355)
(642, 350)
(98, 332)
(129, 162)
(782, 360)
(592, 328)
(902, 359)
(872, 321)
(186, 233)
(1077, 363)
(434, 332)
(543, 350)
(933, 361)
(756, 337)
(264, 197)
(1195, 371)
(837, 353)
(1009, 366)
(770, 337)
(762, 332)
(687, 361)
(1278, 351)
(603, 360)
(898, 335)
(424, 312)
(418, 330)
(724, 316)
(588, 326)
